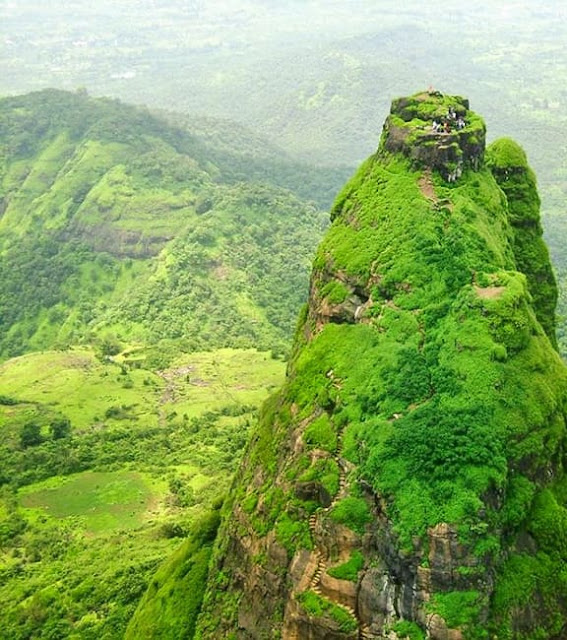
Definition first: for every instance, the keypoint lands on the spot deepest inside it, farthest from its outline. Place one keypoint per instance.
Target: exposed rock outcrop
(436, 131)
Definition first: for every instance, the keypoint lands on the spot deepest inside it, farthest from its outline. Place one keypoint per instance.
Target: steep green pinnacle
(409, 476)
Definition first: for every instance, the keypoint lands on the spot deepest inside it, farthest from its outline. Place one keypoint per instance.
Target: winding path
(321, 566)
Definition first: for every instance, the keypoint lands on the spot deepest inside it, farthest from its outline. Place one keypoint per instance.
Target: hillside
(409, 477)
(119, 227)
(139, 333)
(318, 86)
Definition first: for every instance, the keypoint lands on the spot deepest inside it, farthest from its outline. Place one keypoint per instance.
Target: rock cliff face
(408, 480)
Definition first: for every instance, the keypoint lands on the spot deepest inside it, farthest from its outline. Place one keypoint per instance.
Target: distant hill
(118, 226)
(133, 247)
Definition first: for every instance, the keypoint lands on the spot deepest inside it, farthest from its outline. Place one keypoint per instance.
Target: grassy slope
(172, 602)
(457, 395)
(101, 501)
(509, 165)
(127, 233)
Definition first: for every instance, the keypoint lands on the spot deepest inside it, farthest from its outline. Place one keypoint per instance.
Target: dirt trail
(425, 184)
(169, 393)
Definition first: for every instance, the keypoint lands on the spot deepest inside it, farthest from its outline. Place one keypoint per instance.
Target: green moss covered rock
(424, 371)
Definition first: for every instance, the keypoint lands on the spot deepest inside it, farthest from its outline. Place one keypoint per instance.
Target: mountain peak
(436, 131)
(391, 486)
(408, 480)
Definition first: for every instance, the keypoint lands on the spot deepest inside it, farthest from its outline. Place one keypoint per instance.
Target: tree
(30, 435)
(110, 346)
(60, 428)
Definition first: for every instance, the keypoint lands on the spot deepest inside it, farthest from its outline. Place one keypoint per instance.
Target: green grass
(103, 502)
(353, 513)
(458, 608)
(172, 602)
(78, 385)
(317, 606)
(505, 153)
(128, 481)
(224, 376)
(321, 434)
(350, 569)
(408, 630)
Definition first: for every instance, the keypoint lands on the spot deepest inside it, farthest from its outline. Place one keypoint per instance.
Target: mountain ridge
(104, 208)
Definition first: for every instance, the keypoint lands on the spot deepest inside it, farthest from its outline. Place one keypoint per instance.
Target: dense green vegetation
(142, 244)
(118, 226)
(105, 466)
(349, 569)
(170, 607)
(315, 605)
(509, 165)
(445, 383)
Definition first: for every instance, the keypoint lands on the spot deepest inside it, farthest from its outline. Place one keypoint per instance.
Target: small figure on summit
(436, 131)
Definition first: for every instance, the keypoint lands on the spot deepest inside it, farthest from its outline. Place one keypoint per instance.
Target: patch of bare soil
(489, 293)
(425, 184)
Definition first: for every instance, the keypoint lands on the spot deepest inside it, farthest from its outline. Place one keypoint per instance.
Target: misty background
(314, 78)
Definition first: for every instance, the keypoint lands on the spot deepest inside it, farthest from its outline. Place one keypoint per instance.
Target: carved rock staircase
(364, 632)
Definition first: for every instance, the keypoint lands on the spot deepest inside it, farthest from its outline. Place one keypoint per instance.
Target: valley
(86, 518)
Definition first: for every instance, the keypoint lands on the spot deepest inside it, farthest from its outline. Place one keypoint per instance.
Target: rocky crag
(409, 481)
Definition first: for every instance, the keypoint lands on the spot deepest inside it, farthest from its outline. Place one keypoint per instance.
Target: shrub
(349, 569)
(353, 513)
(321, 434)
(30, 435)
(317, 606)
